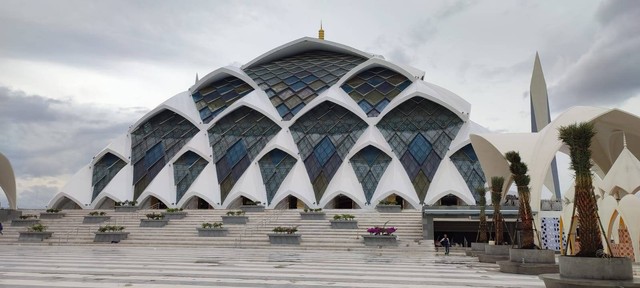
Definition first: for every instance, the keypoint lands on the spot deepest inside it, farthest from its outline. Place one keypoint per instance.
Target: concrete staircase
(316, 234)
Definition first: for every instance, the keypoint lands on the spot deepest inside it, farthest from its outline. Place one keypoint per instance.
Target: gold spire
(321, 32)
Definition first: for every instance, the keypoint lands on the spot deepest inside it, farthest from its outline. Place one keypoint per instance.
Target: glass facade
(236, 140)
(419, 132)
(274, 167)
(185, 170)
(374, 88)
(469, 167)
(324, 136)
(154, 143)
(217, 96)
(103, 171)
(369, 164)
(294, 81)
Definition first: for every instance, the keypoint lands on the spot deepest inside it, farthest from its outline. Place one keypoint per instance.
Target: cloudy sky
(75, 74)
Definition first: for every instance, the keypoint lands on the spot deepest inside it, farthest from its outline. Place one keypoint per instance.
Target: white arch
(377, 62)
(221, 73)
(8, 181)
(57, 200)
(144, 198)
(419, 89)
(167, 106)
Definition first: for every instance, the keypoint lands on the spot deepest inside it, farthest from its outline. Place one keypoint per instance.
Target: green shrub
(37, 228)
(154, 216)
(52, 210)
(96, 213)
(110, 228)
(173, 210)
(312, 210)
(211, 225)
(286, 230)
(343, 217)
(27, 216)
(385, 202)
(235, 213)
(127, 203)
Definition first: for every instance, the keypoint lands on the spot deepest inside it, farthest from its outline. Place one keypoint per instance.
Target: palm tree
(519, 173)
(482, 237)
(578, 138)
(496, 198)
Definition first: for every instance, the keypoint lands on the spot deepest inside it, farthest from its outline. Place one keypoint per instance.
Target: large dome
(311, 119)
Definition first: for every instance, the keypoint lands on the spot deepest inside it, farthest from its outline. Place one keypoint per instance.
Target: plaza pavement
(127, 266)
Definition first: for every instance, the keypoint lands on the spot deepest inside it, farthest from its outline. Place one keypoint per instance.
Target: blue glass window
(103, 171)
(369, 165)
(185, 171)
(466, 161)
(217, 96)
(376, 87)
(274, 167)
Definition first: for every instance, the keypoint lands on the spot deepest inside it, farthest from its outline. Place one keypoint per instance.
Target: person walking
(446, 244)
(1, 229)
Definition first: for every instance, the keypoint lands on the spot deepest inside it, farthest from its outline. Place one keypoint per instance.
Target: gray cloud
(46, 137)
(36, 196)
(608, 72)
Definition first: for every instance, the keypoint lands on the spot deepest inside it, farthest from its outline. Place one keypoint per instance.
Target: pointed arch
(274, 167)
(8, 181)
(185, 171)
(66, 202)
(105, 202)
(153, 201)
(369, 164)
(214, 97)
(104, 170)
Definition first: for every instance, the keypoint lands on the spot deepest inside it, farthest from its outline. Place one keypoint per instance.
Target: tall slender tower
(321, 32)
(540, 117)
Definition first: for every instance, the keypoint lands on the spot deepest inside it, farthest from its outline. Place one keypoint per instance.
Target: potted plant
(52, 214)
(344, 221)
(380, 236)
(214, 229)
(478, 246)
(110, 234)
(126, 206)
(25, 220)
(526, 259)
(312, 214)
(385, 206)
(154, 220)
(95, 217)
(284, 236)
(235, 217)
(253, 206)
(174, 213)
(497, 252)
(37, 232)
(589, 265)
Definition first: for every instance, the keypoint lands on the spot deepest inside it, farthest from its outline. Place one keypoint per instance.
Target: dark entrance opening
(343, 202)
(203, 204)
(154, 203)
(462, 233)
(449, 200)
(293, 202)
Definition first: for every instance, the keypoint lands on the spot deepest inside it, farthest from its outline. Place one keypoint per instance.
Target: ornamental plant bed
(174, 213)
(312, 214)
(212, 230)
(26, 220)
(37, 232)
(154, 220)
(253, 207)
(235, 217)
(380, 236)
(284, 236)
(52, 214)
(95, 217)
(344, 221)
(126, 206)
(110, 234)
(388, 207)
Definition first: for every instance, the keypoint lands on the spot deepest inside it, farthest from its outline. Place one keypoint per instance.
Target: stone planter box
(284, 239)
(494, 253)
(110, 237)
(532, 256)
(389, 208)
(529, 262)
(24, 222)
(153, 222)
(174, 215)
(34, 236)
(476, 248)
(235, 219)
(212, 232)
(95, 219)
(592, 272)
(380, 240)
(312, 215)
(252, 208)
(344, 224)
(125, 208)
(47, 215)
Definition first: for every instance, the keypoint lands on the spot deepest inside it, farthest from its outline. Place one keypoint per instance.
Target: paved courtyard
(126, 266)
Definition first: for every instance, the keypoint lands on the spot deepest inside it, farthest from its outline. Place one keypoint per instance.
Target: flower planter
(592, 271)
(344, 224)
(48, 215)
(95, 219)
(529, 262)
(153, 222)
(389, 208)
(284, 239)
(24, 222)
(110, 237)
(235, 219)
(34, 236)
(212, 232)
(312, 215)
(174, 215)
(252, 208)
(380, 240)
(126, 208)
